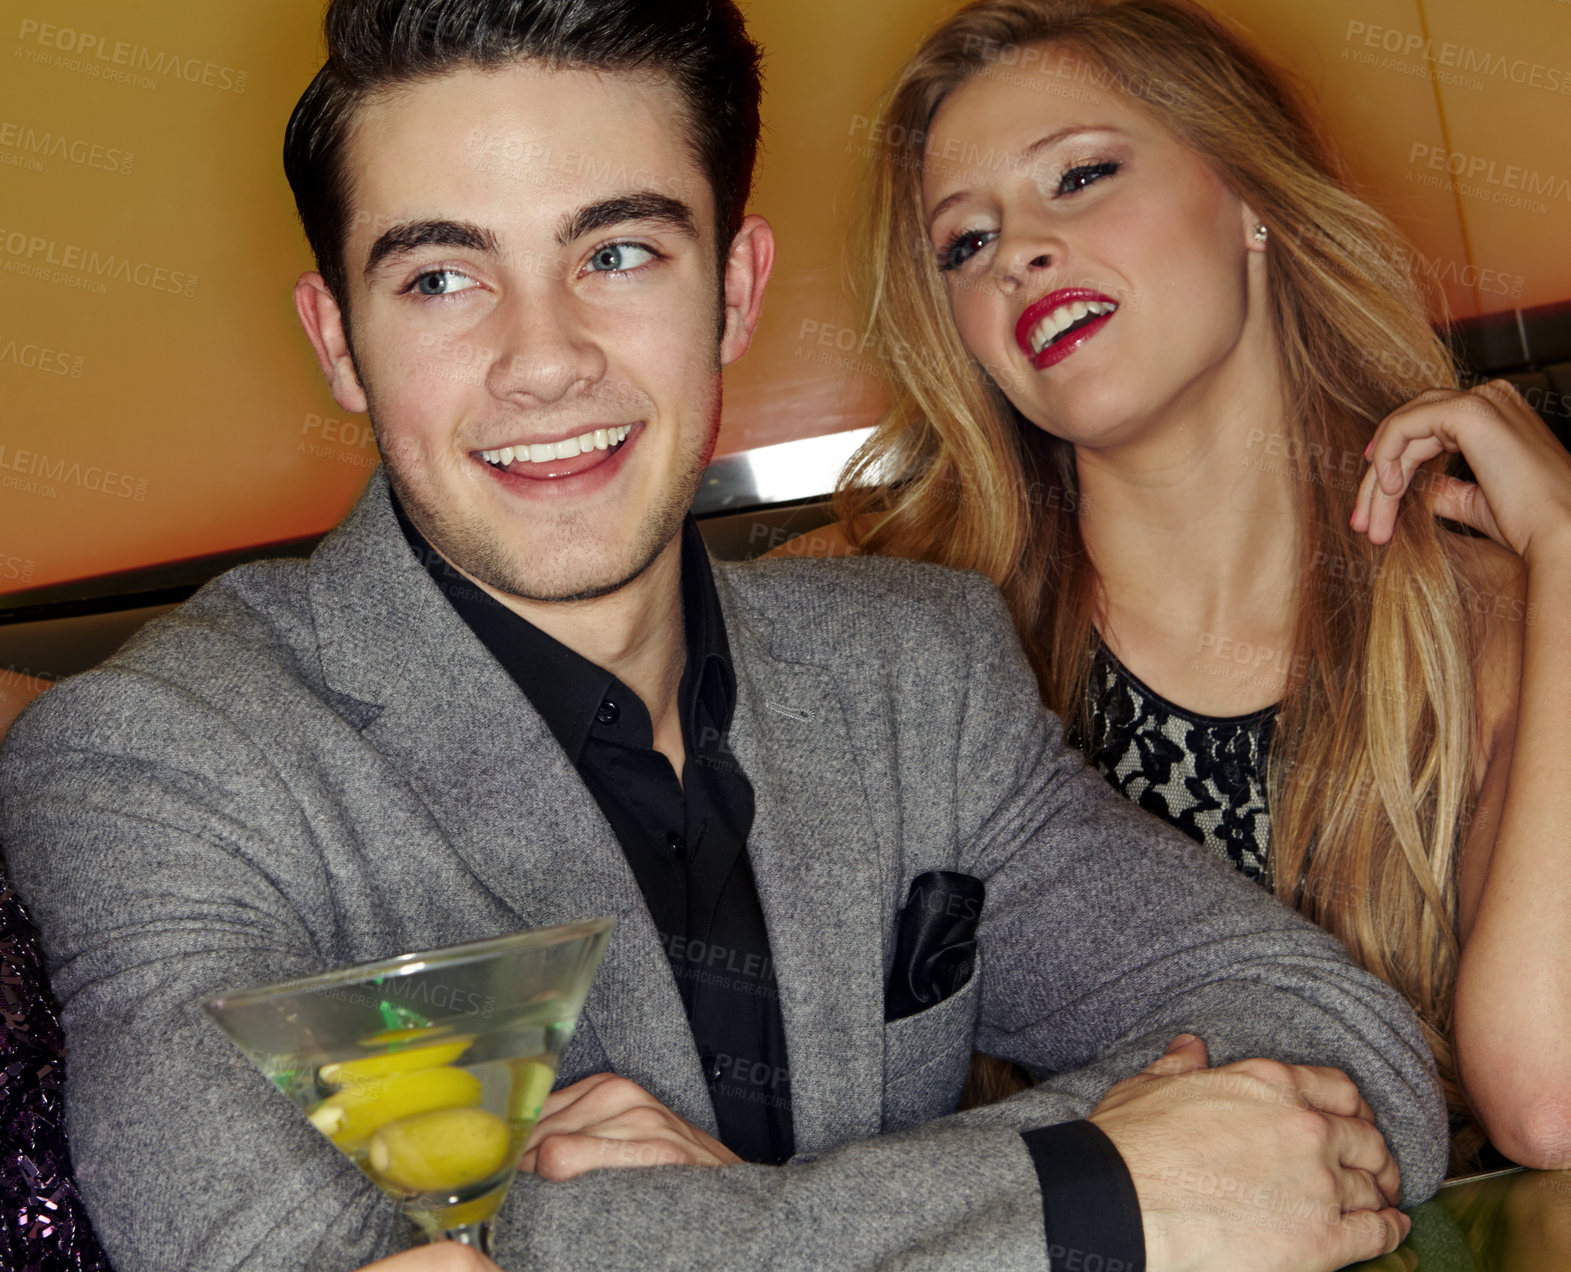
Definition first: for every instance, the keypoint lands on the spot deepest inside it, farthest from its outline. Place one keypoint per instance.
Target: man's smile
(572, 456)
(545, 452)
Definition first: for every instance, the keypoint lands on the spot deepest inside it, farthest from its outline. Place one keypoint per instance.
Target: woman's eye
(963, 246)
(616, 258)
(1086, 174)
(442, 282)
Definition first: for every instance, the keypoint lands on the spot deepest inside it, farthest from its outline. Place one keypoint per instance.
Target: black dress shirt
(686, 842)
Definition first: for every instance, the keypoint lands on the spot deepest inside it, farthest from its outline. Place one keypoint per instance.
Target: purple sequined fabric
(44, 1227)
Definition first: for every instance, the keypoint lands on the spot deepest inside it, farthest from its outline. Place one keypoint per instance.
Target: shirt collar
(564, 686)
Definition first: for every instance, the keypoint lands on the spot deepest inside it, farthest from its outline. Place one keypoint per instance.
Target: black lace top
(1205, 775)
(44, 1226)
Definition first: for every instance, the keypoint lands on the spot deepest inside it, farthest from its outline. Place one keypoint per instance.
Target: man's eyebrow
(644, 205)
(409, 236)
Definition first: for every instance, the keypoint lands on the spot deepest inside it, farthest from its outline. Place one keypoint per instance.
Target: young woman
(1161, 375)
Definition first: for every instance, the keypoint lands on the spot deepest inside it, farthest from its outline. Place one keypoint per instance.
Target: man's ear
(324, 324)
(747, 271)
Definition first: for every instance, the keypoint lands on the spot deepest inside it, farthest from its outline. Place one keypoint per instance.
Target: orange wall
(168, 407)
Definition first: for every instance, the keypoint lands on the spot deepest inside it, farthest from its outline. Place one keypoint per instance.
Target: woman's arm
(1512, 1025)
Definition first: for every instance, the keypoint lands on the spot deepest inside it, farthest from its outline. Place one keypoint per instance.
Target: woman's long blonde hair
(1370, 771)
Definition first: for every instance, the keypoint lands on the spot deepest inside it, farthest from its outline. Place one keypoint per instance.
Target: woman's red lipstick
(1068, 340)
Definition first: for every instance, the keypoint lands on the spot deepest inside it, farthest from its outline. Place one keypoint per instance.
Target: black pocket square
(935, 941)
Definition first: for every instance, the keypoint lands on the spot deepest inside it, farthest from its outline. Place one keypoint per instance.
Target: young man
(512, 690)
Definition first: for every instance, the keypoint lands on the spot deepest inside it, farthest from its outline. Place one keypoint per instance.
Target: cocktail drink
(427, 1070)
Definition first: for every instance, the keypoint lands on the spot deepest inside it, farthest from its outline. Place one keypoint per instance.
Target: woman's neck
(1193, 532)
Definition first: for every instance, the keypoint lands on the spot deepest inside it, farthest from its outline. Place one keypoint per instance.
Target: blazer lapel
(819, 870)
(496, 781)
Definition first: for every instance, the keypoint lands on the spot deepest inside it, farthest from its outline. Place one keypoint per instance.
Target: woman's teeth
(1063, 318)
(545, 452)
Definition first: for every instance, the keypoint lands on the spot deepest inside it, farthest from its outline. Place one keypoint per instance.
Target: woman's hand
(439, 1256)
(605, 1120)
(1522, 499)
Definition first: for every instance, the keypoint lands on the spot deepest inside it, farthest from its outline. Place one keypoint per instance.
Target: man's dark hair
(700, 46)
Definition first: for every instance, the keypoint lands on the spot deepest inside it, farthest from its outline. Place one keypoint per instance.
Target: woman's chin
(1087, 427)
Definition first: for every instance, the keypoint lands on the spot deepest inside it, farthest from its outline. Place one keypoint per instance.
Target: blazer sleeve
(1106, 933)
(133, 814)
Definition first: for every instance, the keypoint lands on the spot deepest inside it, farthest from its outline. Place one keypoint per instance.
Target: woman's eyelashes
(961, 246)
(1082, 175)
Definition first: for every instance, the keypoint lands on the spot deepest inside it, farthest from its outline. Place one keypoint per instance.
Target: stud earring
(1261, 234)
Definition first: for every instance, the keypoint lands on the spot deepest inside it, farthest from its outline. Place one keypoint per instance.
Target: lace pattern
(1203, 774)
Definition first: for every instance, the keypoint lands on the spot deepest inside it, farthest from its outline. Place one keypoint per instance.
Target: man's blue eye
(616, 257)
(442, 282)
(1086, 174)
(963, 246)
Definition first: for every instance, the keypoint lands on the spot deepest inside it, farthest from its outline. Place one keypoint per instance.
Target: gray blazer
(314, 763)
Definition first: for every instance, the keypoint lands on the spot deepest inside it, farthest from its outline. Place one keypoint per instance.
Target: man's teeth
(545, 452)
(1063, 318)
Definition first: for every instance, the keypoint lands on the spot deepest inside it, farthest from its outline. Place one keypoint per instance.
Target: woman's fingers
(1405, 445)
(1523, 474)
(1464, 502)
(1411, 435)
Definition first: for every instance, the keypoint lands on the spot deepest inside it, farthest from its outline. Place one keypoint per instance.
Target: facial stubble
(467, 542)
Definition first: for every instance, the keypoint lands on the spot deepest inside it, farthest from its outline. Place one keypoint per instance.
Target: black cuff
(1089, 1208)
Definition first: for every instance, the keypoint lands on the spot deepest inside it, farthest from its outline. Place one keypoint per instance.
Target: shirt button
(712, 1073)
(609, 712)
(676, 844)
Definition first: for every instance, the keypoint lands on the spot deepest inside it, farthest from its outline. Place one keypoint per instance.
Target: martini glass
(427, 1070)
